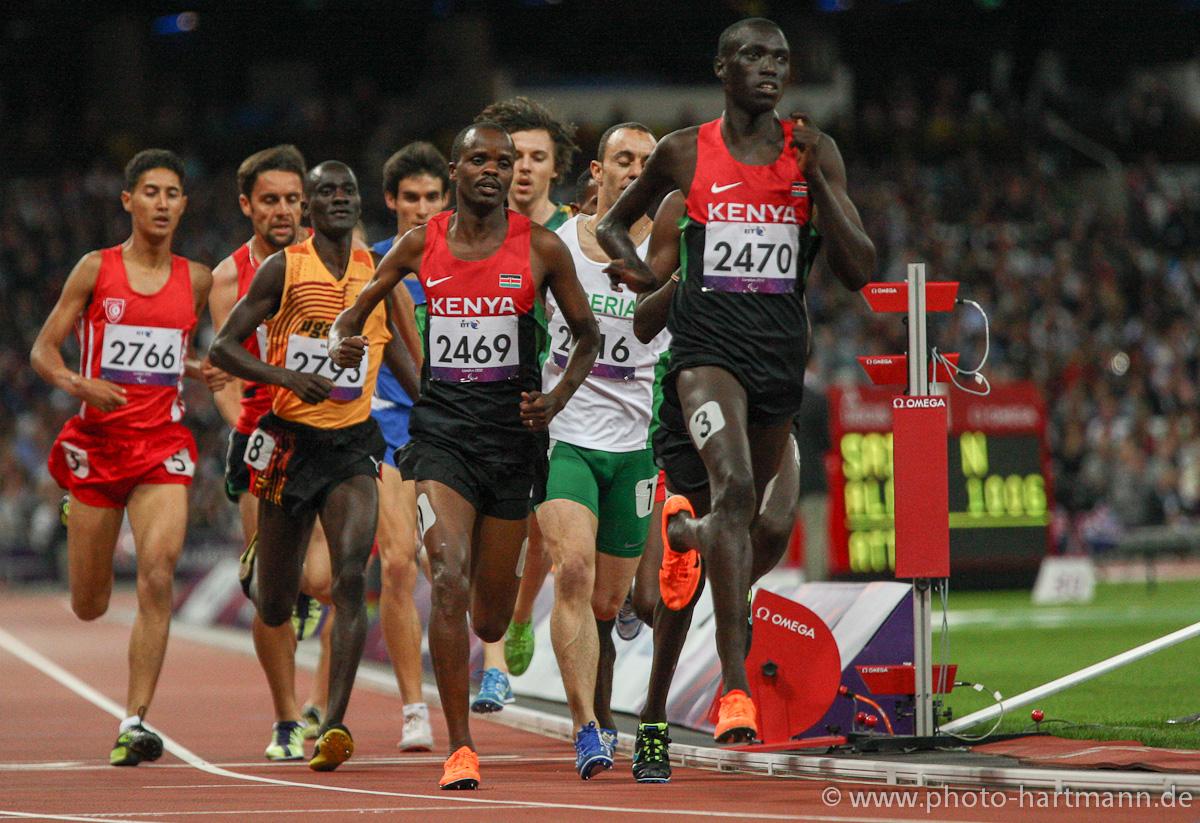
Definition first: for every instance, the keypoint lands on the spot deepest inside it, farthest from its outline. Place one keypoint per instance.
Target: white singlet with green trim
(612, 409)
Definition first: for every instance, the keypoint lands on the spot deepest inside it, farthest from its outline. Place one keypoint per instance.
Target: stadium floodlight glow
(182, 23)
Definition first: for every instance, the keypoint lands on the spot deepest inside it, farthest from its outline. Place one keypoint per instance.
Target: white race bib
(620, 350)
(750, 257)
(141, 355)
(77, 460)
(260, 335)
(180, 463)
(473, 349)
(644, 496)
(259, 448)
(311, 356)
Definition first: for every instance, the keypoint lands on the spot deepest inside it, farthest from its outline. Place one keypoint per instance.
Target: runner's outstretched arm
(346, 342)
(193, 367)
(664, 171)
(396, 352)
(221, 299)
(406, 323)
(538, 409)
(650, 316)
(46, 356)
(847, 249)
(260, 302)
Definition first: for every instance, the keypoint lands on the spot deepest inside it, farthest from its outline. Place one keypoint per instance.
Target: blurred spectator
(1091, 296)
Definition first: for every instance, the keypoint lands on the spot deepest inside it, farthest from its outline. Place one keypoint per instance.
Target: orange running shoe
(679, 574)
(737, 718)
(461, 770)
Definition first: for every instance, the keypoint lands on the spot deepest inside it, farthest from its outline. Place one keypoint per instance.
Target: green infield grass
(1000, 639)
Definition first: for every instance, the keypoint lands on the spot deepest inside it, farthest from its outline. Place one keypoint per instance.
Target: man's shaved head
(318, 171)
(733, 36)
(467, 135)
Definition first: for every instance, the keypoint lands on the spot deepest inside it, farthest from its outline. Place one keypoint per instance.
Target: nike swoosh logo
(718, 189)
(429, 284)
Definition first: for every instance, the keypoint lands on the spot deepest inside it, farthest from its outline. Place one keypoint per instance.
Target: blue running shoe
(609, 738)
(591, 752)
(628, 623)
(494, 692)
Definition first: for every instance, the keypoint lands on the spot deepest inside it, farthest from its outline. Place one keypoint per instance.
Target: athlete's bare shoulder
(82, 279)
(545, 242)
(681, 137)
(202, 275)
(406, 254)
(681, 141)
(89, 265)
(225, 272)
(673, 161)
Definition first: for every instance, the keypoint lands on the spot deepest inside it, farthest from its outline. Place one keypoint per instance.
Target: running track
(62, 684)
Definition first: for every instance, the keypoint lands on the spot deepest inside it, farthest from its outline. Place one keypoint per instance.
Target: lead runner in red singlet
(133, 307)
(271, 187)
(478, 448)
(763, 197)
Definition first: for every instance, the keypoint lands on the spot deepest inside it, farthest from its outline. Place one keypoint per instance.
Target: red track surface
(213, 703)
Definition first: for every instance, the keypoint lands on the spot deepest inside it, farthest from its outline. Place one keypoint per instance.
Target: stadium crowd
(1091, 278)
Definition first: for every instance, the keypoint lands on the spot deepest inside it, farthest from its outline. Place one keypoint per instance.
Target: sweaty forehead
(533, 140)
(766, 37)
(331, 174)
(161, 177)
(488, 140)
(274, 181)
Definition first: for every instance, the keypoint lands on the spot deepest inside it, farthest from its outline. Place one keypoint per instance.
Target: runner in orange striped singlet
(318, 451)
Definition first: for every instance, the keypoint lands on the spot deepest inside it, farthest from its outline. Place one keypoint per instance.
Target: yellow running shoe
(332, 750)
(136, 745)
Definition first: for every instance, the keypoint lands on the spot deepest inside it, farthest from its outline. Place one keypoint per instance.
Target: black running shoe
(652, 754)
(134, 746)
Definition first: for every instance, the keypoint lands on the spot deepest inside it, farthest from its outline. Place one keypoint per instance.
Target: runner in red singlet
(478, 448)
(271, 186)
(764, 196)
(133, 307)
(545, 147)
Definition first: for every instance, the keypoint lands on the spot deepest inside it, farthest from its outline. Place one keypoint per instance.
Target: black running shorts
(295, 466)
(507, 491)
(237, 473)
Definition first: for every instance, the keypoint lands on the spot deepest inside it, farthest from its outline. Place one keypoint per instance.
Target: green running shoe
(310, 716)
(652, 754)
(287, 741)
(518, 647)
(135, 745)
(306, 616)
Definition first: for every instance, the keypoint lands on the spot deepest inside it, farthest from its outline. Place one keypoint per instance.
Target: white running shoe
(417, 735)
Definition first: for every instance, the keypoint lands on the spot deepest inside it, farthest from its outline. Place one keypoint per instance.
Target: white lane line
(278, 812)
(51, 669)
(372, 760)
(6, 815)
(48, 766)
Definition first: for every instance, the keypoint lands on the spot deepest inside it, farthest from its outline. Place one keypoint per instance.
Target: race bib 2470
(750, 257)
